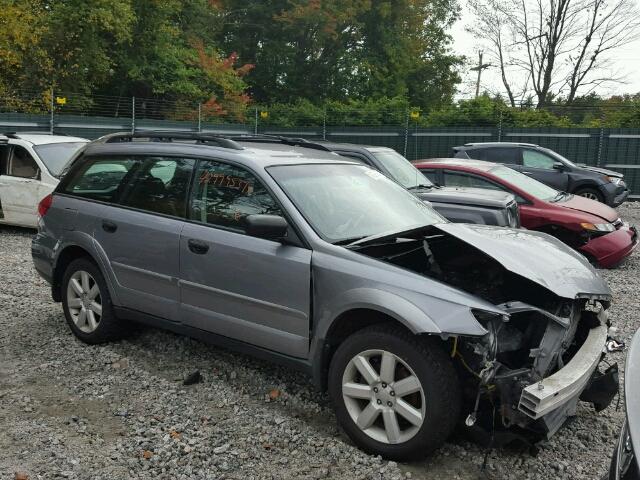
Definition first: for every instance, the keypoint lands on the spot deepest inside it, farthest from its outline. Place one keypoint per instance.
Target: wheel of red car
(395, 395)
(591, 194)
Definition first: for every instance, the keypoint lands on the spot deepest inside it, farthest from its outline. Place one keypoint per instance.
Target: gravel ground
(68, 410)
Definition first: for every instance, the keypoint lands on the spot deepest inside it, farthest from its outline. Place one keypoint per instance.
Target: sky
(626, 59)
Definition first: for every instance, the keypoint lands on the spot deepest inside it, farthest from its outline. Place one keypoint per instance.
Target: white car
(30, 168)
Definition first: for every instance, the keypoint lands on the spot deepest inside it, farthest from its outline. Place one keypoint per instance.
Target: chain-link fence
(398, 128)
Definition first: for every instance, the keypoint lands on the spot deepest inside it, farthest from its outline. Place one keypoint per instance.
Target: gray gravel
(120, 411)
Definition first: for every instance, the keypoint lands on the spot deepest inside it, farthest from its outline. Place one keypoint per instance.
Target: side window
(5, 150)
(100, 179)
(22, 164)
(498, 155)
(223, 195)
(476, 154)
(456, 179)
(535, 159)
(159, 185)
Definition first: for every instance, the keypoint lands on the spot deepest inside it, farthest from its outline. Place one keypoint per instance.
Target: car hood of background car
(465, 196)
(632, 391)
(602, 171)
(534, 255)
(589, 206)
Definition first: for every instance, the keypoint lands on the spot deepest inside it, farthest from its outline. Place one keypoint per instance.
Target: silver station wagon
(416, 326)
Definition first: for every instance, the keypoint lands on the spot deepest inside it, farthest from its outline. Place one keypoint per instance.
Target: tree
(554, 48)
(342, 49)
(24, 64)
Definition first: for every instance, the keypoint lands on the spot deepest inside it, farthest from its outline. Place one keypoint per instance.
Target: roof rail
(164, 136)
(292, 141)
(15, 135)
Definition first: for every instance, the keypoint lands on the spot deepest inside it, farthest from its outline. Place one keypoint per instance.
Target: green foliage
(343, 49)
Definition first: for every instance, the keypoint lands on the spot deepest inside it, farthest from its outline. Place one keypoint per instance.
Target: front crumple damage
(542, 351)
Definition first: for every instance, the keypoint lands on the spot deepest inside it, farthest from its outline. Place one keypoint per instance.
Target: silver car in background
(414, 324)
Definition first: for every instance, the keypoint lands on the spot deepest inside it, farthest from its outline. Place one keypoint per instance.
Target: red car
(593, 228)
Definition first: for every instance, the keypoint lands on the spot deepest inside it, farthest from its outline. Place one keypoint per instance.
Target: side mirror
(269, 227)
(558, 166)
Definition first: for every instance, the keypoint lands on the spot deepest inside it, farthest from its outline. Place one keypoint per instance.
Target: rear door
(245, 288)
(137, 226)
(539, 165)
(20, 186)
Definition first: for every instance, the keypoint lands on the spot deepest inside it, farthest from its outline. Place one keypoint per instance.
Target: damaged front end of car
(533, 366)
(544, 341)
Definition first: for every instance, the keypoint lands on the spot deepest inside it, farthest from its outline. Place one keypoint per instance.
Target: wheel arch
(351, 320)
(67, 255)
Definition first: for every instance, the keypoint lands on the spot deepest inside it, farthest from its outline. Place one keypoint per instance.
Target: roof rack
(291, 141)
(163, 136)
(16, 135)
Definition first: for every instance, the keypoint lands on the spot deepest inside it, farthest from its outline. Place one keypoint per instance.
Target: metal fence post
(199, 117)
(255, 128)
(406, 135)
(324, 123)
(500, 127)
(133, 114)
(52, 110)
(600, 142)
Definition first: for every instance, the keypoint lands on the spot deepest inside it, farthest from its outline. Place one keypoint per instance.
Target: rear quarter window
(99, 179)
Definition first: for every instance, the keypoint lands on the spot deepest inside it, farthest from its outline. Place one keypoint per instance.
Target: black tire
(590, 193)
(431, 366)
(109, 327)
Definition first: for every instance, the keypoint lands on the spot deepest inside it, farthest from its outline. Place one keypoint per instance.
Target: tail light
(44, 205)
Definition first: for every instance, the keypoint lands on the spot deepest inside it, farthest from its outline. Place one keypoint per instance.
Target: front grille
(514, 215)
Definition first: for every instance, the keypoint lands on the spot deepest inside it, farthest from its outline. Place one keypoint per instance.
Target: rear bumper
(568, 383)
(609, 250)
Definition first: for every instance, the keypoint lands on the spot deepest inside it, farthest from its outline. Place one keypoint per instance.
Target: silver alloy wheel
(84, 301)
(590, 196)
(383, 396)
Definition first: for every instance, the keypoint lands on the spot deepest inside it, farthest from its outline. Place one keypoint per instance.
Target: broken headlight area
(531, 368)
(542, 351)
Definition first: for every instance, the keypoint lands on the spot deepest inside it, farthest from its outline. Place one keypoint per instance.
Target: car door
(246, 288)
(138, 224)
(20, 186)
(540, 166)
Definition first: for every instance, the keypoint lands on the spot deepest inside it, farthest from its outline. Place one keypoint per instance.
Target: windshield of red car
(527, 184)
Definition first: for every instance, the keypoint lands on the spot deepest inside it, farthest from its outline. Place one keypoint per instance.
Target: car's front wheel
(395, 394)
(87, 304)
(591, 194)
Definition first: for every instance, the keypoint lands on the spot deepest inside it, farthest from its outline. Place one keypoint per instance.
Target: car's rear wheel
(395, 394)
(87, 304)
(591, 194)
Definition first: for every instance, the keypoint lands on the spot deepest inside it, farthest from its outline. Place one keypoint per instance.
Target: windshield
(56, 155)
(528, 184)
(349, 202)
(401, 170)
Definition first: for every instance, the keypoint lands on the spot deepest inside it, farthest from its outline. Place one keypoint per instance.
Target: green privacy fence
(617, 149)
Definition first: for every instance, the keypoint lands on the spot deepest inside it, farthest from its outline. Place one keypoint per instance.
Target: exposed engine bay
(537, 336)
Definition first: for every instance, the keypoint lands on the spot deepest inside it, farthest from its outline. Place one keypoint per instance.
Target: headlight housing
(599, 227)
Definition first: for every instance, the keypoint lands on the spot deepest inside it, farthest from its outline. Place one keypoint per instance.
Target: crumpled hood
(536, 256)
(592, 207)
